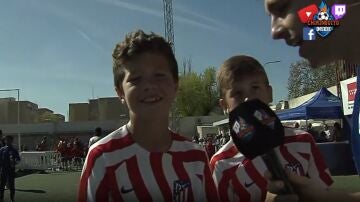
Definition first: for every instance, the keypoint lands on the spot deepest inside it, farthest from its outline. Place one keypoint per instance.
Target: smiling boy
(144, 160)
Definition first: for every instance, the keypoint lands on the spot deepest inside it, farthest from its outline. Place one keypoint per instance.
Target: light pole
(18, 112)
(270, 62)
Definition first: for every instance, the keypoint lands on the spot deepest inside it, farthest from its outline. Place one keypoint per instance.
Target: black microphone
(274, 166)
(256, 131)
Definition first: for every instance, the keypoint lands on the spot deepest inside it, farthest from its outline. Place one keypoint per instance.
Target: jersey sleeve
(216, 174)
(317, 166)
(210, 187)
(93, 174)
(222, 179)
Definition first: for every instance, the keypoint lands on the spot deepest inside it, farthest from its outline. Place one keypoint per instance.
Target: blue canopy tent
(323, 105)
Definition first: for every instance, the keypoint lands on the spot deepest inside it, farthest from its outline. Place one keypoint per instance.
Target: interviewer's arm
(308, 191)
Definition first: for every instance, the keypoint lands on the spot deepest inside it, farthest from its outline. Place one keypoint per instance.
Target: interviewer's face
(285, 24)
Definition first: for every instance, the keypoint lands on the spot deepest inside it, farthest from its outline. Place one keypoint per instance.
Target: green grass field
(349, 183)
(49, 187)
(62, 186)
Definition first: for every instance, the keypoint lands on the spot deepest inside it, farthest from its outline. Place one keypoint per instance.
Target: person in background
(61, 149)
(43, 146)
(2, 139)
(9, 157)
(297, 125)
(77, 154)
(210, 146)
(195, 139)
(312, 132)
(96, 137)
(329, 135)
(337, 133)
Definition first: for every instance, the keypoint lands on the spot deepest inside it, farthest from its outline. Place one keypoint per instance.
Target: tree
(197, 93)
(189, 94)
(211, 89)
(186, 65)
(47, 117)
(304, 80)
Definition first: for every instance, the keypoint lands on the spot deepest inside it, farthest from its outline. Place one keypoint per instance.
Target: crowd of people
(71, 149)
(72, 153)
(326, 133)
(212, 142)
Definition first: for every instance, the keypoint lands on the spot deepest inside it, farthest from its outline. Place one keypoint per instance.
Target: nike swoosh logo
(247, 185)
(125, 191)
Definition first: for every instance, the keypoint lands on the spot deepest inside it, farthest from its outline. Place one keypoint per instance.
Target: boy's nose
(149, 84)
(277, 30)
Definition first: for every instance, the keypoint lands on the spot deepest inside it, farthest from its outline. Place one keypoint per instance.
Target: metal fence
(48, 160)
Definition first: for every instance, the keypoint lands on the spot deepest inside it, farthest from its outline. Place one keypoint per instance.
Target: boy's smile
(151, 99)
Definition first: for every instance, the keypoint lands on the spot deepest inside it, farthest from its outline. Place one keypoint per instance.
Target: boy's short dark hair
(136, 43)
(235, 68)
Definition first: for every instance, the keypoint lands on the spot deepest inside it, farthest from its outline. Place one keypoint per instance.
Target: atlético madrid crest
(181, 190)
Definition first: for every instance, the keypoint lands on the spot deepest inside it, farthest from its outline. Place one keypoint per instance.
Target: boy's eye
(278, 7)
(282, 8)
(237, 94)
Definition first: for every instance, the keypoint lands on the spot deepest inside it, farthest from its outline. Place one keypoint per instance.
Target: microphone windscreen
(255, 128)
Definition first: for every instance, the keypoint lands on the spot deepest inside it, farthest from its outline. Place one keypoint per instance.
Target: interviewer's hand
(305, 189)
(270, 197)
(274, 187)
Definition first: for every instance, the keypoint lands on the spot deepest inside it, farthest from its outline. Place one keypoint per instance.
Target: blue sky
(59, 51)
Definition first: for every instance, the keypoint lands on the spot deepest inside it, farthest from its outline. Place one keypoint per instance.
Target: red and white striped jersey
(240, 179)
(118, 169)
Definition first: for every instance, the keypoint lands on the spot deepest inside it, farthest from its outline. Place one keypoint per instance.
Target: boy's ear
(223, 104)
(120, 92)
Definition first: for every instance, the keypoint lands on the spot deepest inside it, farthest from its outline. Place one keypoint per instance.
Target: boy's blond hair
(236, 68)
(136, 43)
